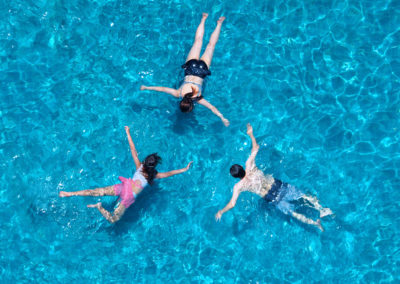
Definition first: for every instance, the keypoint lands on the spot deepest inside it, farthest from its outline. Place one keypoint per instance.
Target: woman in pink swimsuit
(129, 188)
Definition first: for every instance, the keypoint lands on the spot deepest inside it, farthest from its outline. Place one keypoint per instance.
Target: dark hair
(186, 104)
(149, 166)
(237, 171)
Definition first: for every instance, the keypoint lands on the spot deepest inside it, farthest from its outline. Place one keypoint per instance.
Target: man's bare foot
(318, 224)
(65, 194)
(220, 20)
(325, 212)
(205, 15)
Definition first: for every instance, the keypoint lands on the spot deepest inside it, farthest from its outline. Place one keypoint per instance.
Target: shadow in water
(146, 200)
(184, 122)
(239, 228)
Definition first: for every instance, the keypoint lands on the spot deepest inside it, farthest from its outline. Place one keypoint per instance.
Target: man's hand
(249, 129)
(218, 216)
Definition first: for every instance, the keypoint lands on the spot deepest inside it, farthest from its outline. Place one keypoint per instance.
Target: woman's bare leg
(101, 191)
(315, 202)
(112, 218)
(208, 54)
(198, 40)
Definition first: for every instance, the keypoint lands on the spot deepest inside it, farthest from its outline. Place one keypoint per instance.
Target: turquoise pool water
(319, 81)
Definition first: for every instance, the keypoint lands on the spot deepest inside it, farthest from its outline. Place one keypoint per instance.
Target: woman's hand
(226, 122)
(249, 129)
(127, 130)
(97, 205)
(188, 166)
(218, 216)
(143, 87)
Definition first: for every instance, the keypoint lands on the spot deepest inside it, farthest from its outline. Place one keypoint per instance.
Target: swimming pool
(319, 81)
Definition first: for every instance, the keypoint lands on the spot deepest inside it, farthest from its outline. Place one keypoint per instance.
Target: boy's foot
(325, 212)
(318, 224)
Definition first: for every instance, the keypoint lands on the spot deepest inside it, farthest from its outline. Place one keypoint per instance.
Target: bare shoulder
(250, 168)
(238, 186)
(204, 102)
(177, 92)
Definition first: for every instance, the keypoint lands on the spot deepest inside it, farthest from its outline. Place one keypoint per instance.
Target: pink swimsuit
(125, 191)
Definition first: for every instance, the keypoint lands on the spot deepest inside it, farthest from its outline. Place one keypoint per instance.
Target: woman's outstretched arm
(170, 91)
(174, 172)
(112, 218)
(230, 204)
(133, 148)
(214, 110)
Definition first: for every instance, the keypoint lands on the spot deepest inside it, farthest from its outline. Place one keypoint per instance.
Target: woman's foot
(220, 20)
(226, 122)
(325, 212)
(65, 194)
(318, 224)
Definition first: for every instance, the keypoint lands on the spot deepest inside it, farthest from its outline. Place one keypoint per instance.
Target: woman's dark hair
(149, 166)
(237, 171)
(186, 104)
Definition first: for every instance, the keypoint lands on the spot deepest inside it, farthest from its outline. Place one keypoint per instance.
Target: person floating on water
(129, 188)
(196, 70)
(272, 190)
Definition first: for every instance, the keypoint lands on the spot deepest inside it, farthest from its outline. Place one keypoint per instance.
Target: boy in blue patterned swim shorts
(272, 190)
